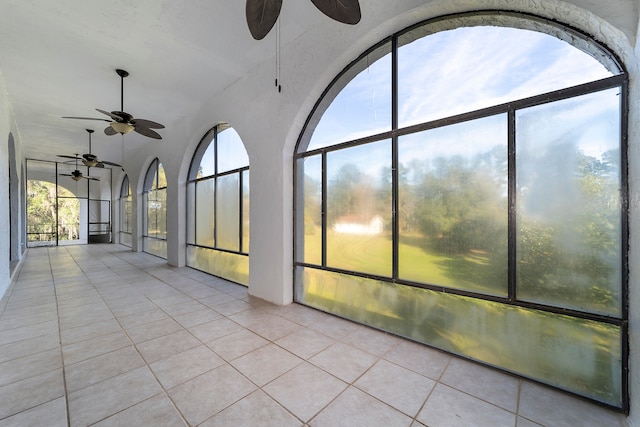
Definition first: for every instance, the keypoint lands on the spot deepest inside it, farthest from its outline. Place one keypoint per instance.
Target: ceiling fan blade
(147, 132)
(146, 123)
(99, 165)
(345, 11)
(87, 118)
(262, 16)
(65, 174)
(113, 116)
(92, 178)
(104, 162)
(109, 131)
(69, 157)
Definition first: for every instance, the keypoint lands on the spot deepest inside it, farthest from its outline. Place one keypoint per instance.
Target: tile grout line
(64, 376)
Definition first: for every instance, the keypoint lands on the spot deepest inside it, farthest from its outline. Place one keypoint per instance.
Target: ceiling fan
(263, 14)
(76, 175)
(122, 122)
(91, 160)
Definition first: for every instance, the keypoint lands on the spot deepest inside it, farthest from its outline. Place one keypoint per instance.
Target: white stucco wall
(7, 126)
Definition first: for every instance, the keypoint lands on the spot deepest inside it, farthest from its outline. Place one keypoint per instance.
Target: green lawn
(372, 254)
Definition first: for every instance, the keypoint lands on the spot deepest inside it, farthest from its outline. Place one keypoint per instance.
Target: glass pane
(204, 212)
(228, 212)
(469, 68)
(162, 178)
(41, 206)
(309, 232)
(128, 215)
(246, 212)
(574, 354)
(363, 106)
(207, 165)
(155, 247)
(229, 266)
(453, 206)
(568, 203)
(231, 152)
(69, 220)
(359, 208)
(191, 212)
(162, 214)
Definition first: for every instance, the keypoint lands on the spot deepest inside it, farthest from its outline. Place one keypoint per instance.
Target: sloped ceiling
(58, 58)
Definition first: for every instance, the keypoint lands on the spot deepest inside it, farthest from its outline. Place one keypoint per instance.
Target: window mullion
(511, 185)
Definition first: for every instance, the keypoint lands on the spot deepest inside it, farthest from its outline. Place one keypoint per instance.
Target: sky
(452, 72)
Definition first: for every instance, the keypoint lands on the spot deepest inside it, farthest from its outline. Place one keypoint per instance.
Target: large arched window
(155, 208)
(126, 213)
(218, 206)
(463, 183)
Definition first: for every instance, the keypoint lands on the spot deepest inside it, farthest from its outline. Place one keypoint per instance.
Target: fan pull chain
(278, 57)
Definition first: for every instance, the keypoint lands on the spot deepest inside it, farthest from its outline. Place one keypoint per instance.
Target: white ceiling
(58, 58)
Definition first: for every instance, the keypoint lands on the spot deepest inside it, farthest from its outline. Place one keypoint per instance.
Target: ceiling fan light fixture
(122, 128)
(90, 163)
(76, 178)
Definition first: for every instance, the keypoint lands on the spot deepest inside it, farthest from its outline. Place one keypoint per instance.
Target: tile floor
(99, 335)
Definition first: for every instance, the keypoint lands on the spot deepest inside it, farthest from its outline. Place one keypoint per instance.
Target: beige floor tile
(31, 392)
(266, 363)
(303, 315)
(18, 319)
(523, 422)
(447, 406)
(50, 414)
(87, 349)
(305, 390)
(94, 330)
(195, 318)
(355, 408)
(335, 327)
(274, 327)
(29, 366)
(134, 320)
(27, 347)
(152, 330)
(554, 408)
(214, 300)
(344, 361)
(231, 307)
(250, 317)
(399, 387)
(238, 344)
(168, 345)
(372, 341)
(419, 358)
(305, 343)
(99, 401)
(157, 411)
(255, 410)
(215, 329)
(208, 394)
(100, 368)
(25, 332)
(184, 366)
(482, 382)
(183, 308)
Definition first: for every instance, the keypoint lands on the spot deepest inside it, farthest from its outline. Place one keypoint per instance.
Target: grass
(373, 254)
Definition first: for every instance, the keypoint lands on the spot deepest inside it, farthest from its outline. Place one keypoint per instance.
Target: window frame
(619, 80)
(210, 141)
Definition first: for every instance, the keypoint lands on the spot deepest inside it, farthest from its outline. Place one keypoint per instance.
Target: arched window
(126, 213)
(155, 207)
(218, 206)
(463, 184)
